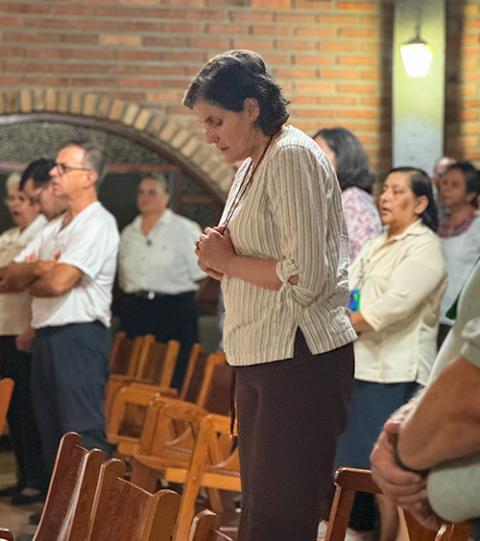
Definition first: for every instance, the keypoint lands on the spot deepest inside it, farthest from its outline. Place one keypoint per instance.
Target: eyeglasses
(64, 169)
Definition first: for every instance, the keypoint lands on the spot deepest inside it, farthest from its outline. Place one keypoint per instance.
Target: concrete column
(419, 103)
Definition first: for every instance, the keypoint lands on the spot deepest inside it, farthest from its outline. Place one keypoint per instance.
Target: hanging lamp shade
(417, 56)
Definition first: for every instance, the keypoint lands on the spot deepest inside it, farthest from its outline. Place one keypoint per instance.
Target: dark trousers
(31, 470)
(69, 374)
(169, 317)
(290, 415)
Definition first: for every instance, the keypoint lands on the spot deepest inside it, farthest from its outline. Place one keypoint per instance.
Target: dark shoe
(35, 518)
(28, 495)
(8, 492)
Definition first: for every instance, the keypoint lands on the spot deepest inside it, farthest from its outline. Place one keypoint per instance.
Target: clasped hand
(215, 251)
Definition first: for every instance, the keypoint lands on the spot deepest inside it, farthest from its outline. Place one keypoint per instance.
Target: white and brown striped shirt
(291, 212)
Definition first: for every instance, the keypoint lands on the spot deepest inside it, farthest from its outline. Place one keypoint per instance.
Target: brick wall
(463, 81)
(332, 57)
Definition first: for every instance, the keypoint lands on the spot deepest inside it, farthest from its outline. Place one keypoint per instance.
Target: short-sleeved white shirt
(164, 260)
(89, 243)
(15, 313)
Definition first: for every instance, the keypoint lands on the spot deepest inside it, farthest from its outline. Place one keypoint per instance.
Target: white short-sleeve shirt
(90, 243)
(15, 313)
(164, 260)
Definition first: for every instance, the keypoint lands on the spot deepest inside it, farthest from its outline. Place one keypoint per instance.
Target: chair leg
(144, 477)
(389, 521)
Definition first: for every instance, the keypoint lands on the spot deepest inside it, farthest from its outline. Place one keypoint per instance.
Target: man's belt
(149, 295)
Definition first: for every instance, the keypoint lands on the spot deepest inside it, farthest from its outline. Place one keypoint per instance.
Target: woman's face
(21, 210)
(328, 151)
(399, 206)
(234, 134)
(452, 189)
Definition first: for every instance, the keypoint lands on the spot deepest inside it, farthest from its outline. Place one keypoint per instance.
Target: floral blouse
(362, 218)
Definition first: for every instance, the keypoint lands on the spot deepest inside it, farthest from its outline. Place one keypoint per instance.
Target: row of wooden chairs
(89, 500)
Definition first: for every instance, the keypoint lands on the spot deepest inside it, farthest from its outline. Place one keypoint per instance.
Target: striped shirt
(291, 212)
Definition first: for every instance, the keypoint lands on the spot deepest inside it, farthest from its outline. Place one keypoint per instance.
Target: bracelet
(399, 462)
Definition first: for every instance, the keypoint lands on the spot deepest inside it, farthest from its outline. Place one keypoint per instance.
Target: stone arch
(146, 125)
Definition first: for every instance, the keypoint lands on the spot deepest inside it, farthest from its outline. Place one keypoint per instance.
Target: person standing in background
(158, 273)
(459, 232)
(350, 162)
(15, 317)
(69, 269)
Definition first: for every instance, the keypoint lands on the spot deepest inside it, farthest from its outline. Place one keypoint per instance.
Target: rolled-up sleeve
(471, 347)
(299, 189)
(411, 282)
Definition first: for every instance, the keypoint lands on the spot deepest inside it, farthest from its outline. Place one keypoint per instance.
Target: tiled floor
(16, 518)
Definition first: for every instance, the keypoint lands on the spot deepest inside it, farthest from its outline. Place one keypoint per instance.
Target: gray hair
(13, 181)
(160, 178)
(93, 157)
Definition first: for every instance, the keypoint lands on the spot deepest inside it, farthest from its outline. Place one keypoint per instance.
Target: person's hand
(44, 266)
(404, 487)
(213, 274)
(24, 340)
(423, 513)
(214, 250)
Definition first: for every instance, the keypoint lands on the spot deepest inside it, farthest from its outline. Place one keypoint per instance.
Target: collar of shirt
(416, 228)
(165, 218)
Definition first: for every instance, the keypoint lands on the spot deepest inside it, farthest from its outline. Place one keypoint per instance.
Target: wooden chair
(6, 391)
(214, 464)
(70, 497)
(155, 364)
(350, 480)
(125, 512)
(213, 392)
(204, 528)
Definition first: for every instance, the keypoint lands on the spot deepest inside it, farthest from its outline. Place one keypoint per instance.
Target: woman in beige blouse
(400, 276)
(280, 252)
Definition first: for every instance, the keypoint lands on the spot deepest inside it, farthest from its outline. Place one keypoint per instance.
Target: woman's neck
(398, 229)
(461, 213)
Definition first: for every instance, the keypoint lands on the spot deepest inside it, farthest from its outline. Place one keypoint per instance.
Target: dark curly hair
(351, 159)
(230, 78)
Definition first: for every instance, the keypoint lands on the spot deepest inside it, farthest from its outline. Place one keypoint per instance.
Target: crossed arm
(41, 278)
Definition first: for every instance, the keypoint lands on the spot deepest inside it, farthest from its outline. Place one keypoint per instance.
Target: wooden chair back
(6, 391)
(69, 502)
(350, 480)
(125, 512)
(212, 465)
(204, 528)
(115, 350)
(193, 374)
(214, 394)
(158, 365)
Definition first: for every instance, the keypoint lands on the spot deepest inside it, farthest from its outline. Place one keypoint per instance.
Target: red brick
(317, 87)
(338, 46)
(254, 44)
(229, 29)
(210, 43)
(271, 4)
(357, 60)
(296, 73)
(358, 6)
(184, 28)
(356, 88)
(337, 100)
(295, 45)
(273, 30)
(368, 33)
(338, 74)
(251, 16)
(320, 32)
(296, 18)
(166, 42)
(316, 60)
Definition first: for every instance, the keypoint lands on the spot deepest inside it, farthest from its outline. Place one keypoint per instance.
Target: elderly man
(442, 424)
(158, 272)
(15, 314)
(69, 269)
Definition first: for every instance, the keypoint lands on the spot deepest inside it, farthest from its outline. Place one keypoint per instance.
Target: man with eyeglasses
(69, 269)
(15, 363)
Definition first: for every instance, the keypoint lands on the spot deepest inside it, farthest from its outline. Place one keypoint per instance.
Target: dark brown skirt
(290, 415)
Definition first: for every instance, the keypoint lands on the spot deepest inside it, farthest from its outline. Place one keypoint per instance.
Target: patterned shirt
(292, 213)
(362, 219)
